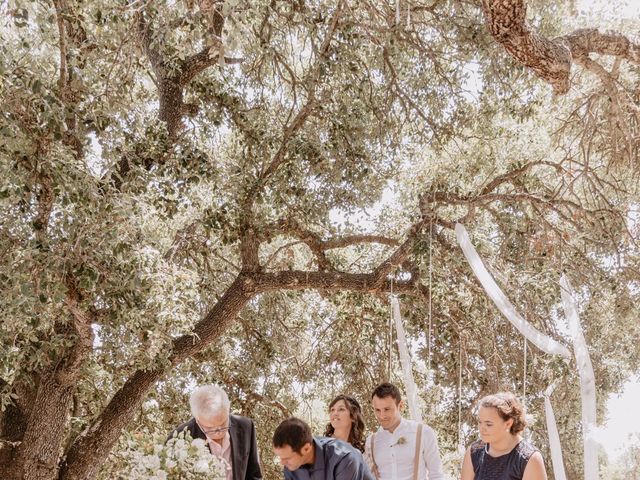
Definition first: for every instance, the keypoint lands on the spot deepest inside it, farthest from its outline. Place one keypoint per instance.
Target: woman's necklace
(498, 453)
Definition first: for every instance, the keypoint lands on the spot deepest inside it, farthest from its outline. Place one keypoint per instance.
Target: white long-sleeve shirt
(395, 457)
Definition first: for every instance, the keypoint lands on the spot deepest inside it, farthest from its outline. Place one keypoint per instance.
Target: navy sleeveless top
(509, 466)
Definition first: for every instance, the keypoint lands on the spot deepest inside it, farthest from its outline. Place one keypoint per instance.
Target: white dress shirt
(223, 451)
(395, 457)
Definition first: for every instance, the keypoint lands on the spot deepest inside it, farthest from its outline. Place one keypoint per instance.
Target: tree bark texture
(551, 59)
(90, 450)
(13, 424)
(38, 454)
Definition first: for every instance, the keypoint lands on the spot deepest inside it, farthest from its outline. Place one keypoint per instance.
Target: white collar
(401, 426)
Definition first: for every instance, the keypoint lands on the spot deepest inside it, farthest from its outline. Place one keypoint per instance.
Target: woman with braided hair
(501, 453)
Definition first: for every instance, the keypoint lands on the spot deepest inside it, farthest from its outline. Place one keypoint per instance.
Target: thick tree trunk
(38, 425)
(37, 456)
(171, 105)
(551, 59)
(12, 426)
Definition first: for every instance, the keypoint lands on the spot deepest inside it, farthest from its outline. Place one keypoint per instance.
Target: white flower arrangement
(179, 458)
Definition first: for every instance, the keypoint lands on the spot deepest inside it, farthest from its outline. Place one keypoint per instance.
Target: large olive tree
(176, 173)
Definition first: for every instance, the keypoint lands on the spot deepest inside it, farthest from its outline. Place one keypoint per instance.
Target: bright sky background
(613, 9)
(623, 420)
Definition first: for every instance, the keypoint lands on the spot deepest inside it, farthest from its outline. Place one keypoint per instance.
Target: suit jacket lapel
(196, 431)
(236, 448)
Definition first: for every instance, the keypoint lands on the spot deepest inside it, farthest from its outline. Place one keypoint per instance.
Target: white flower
(199, 443)
(178, 458)
(201, 466)
(152, 462)
(161, 475)
(181, 454)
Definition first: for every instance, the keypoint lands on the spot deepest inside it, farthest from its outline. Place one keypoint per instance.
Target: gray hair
(209, 400)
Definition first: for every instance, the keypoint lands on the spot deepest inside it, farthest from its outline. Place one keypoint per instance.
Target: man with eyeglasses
(229, 437)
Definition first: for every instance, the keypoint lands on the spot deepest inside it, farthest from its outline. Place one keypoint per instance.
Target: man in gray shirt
(305, 457)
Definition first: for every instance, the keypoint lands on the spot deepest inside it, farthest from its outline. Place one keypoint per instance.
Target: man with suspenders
(400, 449)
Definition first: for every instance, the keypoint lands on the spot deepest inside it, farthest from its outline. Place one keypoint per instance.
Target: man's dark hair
(293, 432)
(387, 389)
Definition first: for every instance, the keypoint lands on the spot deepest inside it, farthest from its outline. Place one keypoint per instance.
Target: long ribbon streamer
(587, 381)
(405, 361)
(554, 437)
(542, 341)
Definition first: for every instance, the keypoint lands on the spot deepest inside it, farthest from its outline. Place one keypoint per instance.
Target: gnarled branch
(550, 59)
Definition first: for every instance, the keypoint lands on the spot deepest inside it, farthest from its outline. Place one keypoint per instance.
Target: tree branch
(66, 374)
(256, 397)
(551, 60)
(170, 82)
(104, 432)
(327, 281)
(318, 246)
(349, 240)
(590, 40)
(62, 80)
(306, 110)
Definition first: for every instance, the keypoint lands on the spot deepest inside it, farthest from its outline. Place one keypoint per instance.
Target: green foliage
(105, 209)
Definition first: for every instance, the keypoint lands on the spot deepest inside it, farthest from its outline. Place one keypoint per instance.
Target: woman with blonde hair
(501, 453)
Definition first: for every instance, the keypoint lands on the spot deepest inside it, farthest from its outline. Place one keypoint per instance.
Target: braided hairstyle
(508, 407)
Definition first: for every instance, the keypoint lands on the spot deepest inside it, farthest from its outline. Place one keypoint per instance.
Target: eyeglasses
(213, 431)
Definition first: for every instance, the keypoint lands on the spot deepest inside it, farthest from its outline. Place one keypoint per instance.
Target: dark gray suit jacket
(244, 448)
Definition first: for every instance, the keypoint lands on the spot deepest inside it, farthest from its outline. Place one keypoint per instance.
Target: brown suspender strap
(374, 466)
(418, 454)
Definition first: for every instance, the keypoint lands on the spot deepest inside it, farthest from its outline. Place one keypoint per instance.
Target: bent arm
(467, 467)
(535, 468)
(351, 468)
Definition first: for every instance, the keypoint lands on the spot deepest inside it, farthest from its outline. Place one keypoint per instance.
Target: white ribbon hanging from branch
(587, 381)
(554, 437)
(405, 361)
(548, 345)
(539, 339)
